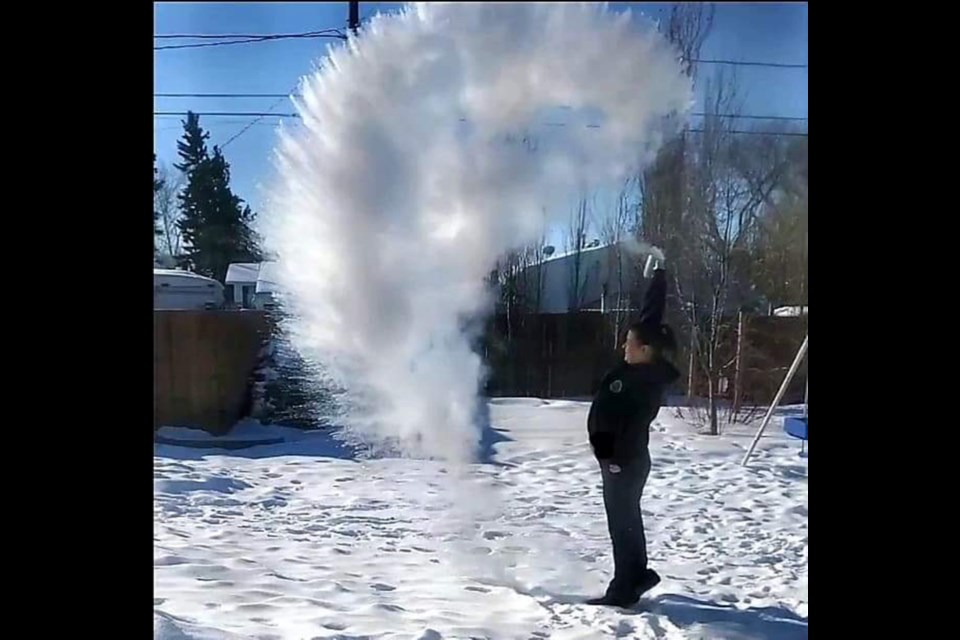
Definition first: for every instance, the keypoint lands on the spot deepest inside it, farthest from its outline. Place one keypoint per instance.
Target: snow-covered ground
(300, 540)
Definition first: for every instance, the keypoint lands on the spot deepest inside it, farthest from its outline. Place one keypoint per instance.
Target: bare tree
(710, 200)
(536, 255)
(576, 242)
(166, 204)
(662, 185)
(519, 281)
(511, 295)
(780, 252)
(688, 27)
(621, 272)
(730, 181)
(663, 213)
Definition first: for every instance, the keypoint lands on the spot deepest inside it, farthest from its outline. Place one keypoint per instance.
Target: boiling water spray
(428, 150)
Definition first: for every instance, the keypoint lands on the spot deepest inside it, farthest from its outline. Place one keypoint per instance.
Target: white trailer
(181, 290)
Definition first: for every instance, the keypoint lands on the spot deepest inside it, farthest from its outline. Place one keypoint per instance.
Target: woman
(618, 425)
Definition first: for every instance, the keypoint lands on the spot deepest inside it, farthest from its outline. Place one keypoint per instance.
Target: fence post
(738, 366)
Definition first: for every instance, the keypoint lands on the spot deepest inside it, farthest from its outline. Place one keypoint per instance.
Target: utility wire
(220, 95)
(256, 120)
(750, 63)
(234, 36)
(260, 116)
(238, 114)
(291, 115)
(245, 38)
(329, 33)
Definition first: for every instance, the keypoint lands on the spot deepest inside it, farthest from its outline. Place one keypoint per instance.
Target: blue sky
(761, 32)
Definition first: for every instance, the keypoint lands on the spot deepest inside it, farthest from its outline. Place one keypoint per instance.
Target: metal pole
(806, 391)
(353, 21)
(776, 401)
(738, 366)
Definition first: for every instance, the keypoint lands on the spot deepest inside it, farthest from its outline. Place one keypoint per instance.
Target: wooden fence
(548, 355)
(202, 365)
(565, 355)
(204, 361)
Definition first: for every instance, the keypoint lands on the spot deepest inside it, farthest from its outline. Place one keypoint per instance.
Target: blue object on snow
(797, 427)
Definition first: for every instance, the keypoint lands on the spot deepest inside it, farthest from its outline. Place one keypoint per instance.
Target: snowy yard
(300, 540)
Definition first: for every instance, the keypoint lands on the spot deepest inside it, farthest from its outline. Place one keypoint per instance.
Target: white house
(604, 272)
(264, 294)
(182, 290)
(251, 285)
(609, 275)
(241, 283)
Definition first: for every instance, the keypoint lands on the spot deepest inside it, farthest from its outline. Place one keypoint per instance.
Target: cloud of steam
(411, 177)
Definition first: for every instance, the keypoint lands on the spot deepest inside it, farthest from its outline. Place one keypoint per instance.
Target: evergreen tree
(215, 223)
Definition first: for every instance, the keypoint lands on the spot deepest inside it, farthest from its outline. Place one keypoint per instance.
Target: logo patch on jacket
(616, 386)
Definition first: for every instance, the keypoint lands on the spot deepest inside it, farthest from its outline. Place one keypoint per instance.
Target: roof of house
(629, 246)
(261, 274)
(267, 279)
(181, 274)
(183, 280)
(242, 273)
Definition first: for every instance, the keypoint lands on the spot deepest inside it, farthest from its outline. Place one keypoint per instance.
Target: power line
(289, 95)
(336, 33)
(221, 95)
(353, 23)
(254, 114)
(228, 43)
(791, 134)
(297, 95)
(220, 125)
(250, 124)
(329, 33)
(234, 36)
(738, 116)
(219, 114)
(750, 63)
(261, 115)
